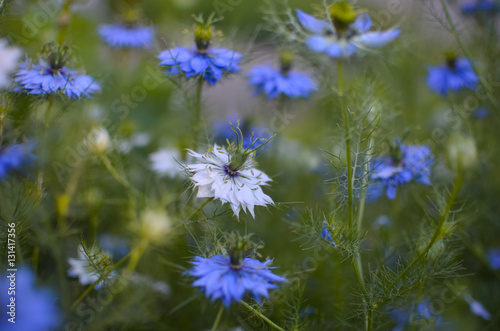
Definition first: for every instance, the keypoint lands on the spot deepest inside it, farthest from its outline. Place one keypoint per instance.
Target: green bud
(238, 246)
(451, 59)
(202, 36)
(342, 15)
(286, 59)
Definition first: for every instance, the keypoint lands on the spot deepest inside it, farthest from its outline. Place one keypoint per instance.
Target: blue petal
(313, 24)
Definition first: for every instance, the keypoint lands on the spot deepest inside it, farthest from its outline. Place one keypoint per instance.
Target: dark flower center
(230, 171)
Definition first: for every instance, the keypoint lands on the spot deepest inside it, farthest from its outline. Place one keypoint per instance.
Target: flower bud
(155, 225)
(98, 141)
(342, 15)
(461, 152)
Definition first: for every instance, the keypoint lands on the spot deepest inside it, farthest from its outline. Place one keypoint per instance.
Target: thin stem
(258, 313)
(217, 319)
(49, 108)
(113, 172)
(340, 73)
(91, 287)
(200, 208)
(197, 110)
(136, 255)
(437, 233)
(466, 52)
(64, 18)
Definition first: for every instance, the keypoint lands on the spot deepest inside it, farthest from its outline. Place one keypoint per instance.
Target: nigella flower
(51, 75)
(127, 35)
(480, 7)
(477, 307)
(15, 156)
(407, 163)
(422, 315)
(325, 234)
(89, 267)
(10, 57)
(230, 177)
(346, 34)
(281, 81)
(455, 75)
(223, 279)
(35, 308)
(480, 113)
(201, 61)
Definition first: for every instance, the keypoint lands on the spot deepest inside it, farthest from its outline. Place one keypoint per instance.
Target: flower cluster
(127, 35)
(220, 279)
(407, 163)
(15, 156)
(346, 34)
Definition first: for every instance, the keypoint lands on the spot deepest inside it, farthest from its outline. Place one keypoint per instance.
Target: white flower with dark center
(229, 177)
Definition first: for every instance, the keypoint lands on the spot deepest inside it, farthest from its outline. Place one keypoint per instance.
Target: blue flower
(325, 234)
(413, 164)
(14, 157)
(34, 308)
(494, 258)
(44, 79)
(455, 75)
(220, 280)
(274, 81)
(480, 6)
(210, 64)
(344, 40)
(127, 35)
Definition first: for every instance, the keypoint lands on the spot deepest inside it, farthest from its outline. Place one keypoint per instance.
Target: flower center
(342, 15)
(230, 171)
(202, 36)
(451, 60)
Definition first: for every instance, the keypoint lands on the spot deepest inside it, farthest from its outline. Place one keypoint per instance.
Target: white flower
(164, 162)
(9, 56)
(216, 178)
(88, 268)
(98, 141)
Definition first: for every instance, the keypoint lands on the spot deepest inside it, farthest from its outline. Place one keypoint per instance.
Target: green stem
(193, 214)
(217, 319)
(258, 313)
(136, 255)
(197, 111)
(91, 287)
(49, 108)
(340, 73)
(437, 233)
(107, 163)
(64, 18)
(467, 53)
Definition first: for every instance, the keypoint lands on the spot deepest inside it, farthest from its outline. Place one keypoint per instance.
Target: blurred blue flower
(220, 280)
(325, 234)
(481, 113)
(421, 315)
(494, 258)
(388, 173)
(15, 156)
(210, 64)
(127, 35)
(480, 6)
(455, 75)
(274, 81)
(477, 307)
(44, 79)
(35, 308)
(344, 43)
